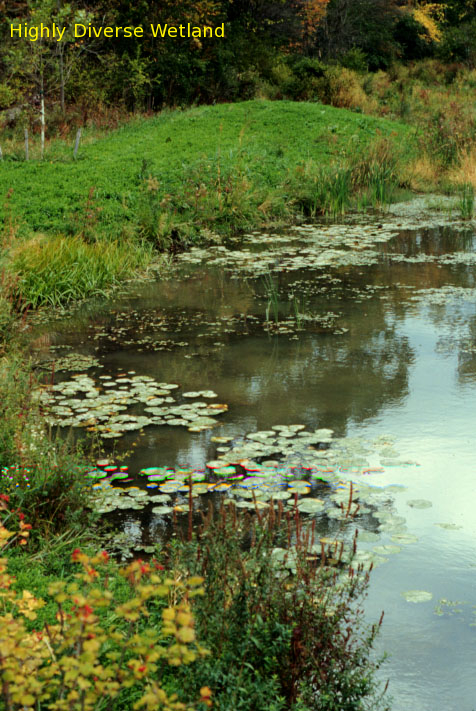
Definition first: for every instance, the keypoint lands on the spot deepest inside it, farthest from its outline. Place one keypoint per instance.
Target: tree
(44, 64)
(360, 24)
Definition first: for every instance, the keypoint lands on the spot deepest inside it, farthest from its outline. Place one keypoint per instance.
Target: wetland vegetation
(237, 356)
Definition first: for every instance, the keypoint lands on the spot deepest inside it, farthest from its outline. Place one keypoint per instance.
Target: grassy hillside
(260, 141)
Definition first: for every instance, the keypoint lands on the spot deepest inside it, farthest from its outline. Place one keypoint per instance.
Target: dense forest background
(272, 48)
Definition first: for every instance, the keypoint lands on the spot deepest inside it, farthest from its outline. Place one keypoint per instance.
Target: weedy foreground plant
(281, 615)
(86, 659)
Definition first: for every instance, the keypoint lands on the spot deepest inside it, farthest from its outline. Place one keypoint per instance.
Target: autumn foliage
(81, 663)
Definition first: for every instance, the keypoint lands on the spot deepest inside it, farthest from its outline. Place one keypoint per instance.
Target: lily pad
(162, 510)
(310, 506)
(417, 595)
(419, 503)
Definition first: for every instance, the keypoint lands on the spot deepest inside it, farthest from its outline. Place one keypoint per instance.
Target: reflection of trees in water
(320, 379)
(433, 241)
(467, 352)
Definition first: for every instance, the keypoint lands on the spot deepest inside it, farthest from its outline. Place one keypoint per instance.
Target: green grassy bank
(264, 140)
(71, 228)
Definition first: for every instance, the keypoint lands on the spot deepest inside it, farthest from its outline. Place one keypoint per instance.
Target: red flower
(75, 554)
(4, 497)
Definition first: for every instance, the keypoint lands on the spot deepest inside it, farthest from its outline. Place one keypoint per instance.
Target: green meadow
(263, 140)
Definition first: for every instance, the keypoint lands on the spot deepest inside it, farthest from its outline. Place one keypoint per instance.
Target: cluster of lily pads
(97, 404)
(131, 328)
(73, 362)
(301, 469)
(351, 243)
(304, 247)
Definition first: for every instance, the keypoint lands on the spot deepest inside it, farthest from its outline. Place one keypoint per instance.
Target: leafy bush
(7, 96)
(355, 59)
(92, 656)
(303, 79)
(43, 477)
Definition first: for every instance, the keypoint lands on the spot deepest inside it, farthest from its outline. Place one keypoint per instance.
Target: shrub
(43, 477)
(280, 614)
(7, 96)
(303, 79)
(87, 659)
(342, 87)
(355, 59)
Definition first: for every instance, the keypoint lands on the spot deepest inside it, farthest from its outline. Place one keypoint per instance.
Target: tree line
(266, 41)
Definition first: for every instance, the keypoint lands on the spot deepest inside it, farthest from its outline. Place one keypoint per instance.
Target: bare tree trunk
(76, 145)
(61, 65)
(26, 144)
(42, 117)
(61, 73)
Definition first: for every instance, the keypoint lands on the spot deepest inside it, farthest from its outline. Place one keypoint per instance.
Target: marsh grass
(320, 191)
(272, 295)
(56, 269)
(466, 201)
(368, 180)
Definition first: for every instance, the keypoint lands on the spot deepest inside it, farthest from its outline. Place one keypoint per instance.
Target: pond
(364, 334)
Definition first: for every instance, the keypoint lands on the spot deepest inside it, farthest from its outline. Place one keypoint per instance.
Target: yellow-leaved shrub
(79, 663)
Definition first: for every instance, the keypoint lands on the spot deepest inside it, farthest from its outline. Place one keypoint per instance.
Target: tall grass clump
(370, 178)
(321, 191)
(57, 269)
(466, 201)
(281, 615)
(272, 295)
(376, 172)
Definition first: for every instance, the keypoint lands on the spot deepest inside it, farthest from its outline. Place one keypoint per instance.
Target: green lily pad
(368, 537)
(162, 510)
(96, 474)
(171, 486)
(404, 538)
(417, 595)
(310, 505)
(160, 498)
(419, 503)
(387, 549)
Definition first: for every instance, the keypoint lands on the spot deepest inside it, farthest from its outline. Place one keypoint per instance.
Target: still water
(369, 330)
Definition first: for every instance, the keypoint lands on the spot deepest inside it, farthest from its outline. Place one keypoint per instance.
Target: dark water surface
(404, 367)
